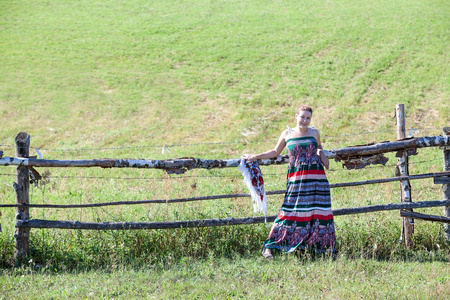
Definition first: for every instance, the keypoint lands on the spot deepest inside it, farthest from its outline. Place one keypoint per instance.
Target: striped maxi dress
(305, 219)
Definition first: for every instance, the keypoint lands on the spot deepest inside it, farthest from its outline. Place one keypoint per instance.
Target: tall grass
(374, 235)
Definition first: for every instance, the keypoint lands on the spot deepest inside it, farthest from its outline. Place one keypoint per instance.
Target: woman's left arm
(320, 153)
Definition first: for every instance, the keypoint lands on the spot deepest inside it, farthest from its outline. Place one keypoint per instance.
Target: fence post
(402, 169)
(446, 187)
(22, 186)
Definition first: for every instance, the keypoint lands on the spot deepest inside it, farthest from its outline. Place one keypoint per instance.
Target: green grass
(240, 278)
(135, 67)
(122, 74)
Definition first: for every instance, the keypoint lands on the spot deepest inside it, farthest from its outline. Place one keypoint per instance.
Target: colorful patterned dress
(305, 219)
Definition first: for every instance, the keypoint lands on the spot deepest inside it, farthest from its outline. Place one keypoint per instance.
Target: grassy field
(241, 278)
(216, 79)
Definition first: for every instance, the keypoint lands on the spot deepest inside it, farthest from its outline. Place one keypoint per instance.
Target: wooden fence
(352, 158)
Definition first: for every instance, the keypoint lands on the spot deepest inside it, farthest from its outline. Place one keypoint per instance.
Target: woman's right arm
(271, 153)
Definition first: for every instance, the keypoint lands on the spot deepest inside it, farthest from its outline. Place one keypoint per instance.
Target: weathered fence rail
(352, 157)
(424, 217)
(181, 165)
(36, 223)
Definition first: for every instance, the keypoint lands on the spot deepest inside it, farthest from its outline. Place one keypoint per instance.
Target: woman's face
(303, 119)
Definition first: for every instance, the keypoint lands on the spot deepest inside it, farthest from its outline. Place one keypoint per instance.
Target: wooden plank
(425, 217)
(36, 223)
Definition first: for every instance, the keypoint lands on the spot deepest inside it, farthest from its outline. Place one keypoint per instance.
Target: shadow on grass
(71, 265)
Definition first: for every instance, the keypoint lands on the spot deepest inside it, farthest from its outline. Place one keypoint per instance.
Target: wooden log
(214, 197)
(391, 206)
(36, 223)
(446, 186)
(184, 164)
(188, 163)
(384, 147)
(434, 141)
(21, 187)
(442, 180)
(424, 216)
(392, 179)
(403, 170)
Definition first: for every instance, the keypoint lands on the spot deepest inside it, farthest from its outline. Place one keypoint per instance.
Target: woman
(305, 219)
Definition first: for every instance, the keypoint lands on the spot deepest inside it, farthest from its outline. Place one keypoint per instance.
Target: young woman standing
(305, 219)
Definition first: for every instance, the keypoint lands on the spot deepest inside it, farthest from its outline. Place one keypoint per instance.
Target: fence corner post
(402, 169)
(446, 187)
(22, 186)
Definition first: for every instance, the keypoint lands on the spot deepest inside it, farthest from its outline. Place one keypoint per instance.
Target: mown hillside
(85, 73)
(216, 79)
(213, 79)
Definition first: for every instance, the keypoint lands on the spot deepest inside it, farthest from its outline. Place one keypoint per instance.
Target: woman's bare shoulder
(286, 134)
(315, 132)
